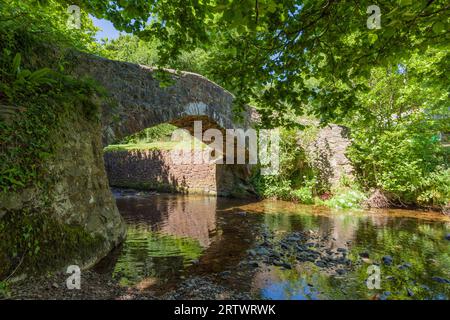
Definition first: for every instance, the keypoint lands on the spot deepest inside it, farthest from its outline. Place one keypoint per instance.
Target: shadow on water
(175, 237)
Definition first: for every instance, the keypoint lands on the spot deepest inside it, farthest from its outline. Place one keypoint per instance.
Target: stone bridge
(79, 193)
(137, 101)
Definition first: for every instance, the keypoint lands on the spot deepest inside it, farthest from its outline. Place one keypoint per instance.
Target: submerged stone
(364, 254)
(409, 292)
(441, 280)
(261, 251)
(387, 260)
(404, 266)
(321, 264)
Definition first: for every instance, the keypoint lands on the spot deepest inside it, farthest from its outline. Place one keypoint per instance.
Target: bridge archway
(136, 101)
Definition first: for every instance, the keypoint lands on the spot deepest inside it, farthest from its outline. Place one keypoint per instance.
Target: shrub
(161, 132)
(346, 199)
(406, 161)
(435, 188)
(4, 290)
(303, 195)
(280, 186)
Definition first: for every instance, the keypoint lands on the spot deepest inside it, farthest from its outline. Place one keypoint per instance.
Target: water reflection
(173, 237)
(277, 284)
(172, 215)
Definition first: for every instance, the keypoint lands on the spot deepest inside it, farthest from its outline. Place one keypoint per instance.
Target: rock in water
(387, 260)
(321, 264)
(447, 236)
(286, 265)
(364, 254)
(409, 292)
(404, 266)
(441, 280)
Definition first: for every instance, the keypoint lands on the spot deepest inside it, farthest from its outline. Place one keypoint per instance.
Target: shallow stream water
(172, 238)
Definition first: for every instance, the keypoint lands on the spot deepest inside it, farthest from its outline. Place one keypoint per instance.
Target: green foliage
(163, 145)
(132, 49)
(161, 132)
(18, 83)
(435, 188)
(298, 181)
(36, 98)
(345, 199)
(273, 187)
(32, 104)
(295, 181)
(280, 55)
(405, 161)
(33, 99)
(4, 289)
(25, 21)
(304, 194)
(395, 134)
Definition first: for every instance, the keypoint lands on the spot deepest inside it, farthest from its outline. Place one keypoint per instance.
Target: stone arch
(137, 101)
(156, 169)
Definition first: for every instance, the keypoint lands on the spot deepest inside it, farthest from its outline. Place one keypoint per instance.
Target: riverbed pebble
(441, 280)
(404, 266)
(387, 260)
(409, 292)
(364, 254)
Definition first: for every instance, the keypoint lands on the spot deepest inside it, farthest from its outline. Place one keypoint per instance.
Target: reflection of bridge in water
(181, 217)
(195, 218)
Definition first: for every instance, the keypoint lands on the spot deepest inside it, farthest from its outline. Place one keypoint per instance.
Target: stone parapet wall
(137, 101)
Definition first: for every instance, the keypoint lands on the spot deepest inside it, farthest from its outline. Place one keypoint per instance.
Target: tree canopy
(282, 55)
(277, 54)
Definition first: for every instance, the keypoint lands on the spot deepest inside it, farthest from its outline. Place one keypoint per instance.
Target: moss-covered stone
(34, 241)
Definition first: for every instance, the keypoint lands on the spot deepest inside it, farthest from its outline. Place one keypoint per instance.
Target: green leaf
(15, 67)
(438, 27)
(39, 74)
(372, 38)
(404, 2)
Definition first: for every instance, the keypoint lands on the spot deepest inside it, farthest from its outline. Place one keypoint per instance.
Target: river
(278, 250)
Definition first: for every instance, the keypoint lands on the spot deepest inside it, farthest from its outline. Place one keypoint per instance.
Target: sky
(108, 30)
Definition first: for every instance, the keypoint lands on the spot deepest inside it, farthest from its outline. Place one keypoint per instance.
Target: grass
(161, 132)
(162, 145)
(155, 145)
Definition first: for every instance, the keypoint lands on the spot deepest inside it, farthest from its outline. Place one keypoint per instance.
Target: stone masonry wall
(156, 170)
(79, 193)
(327, 154)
